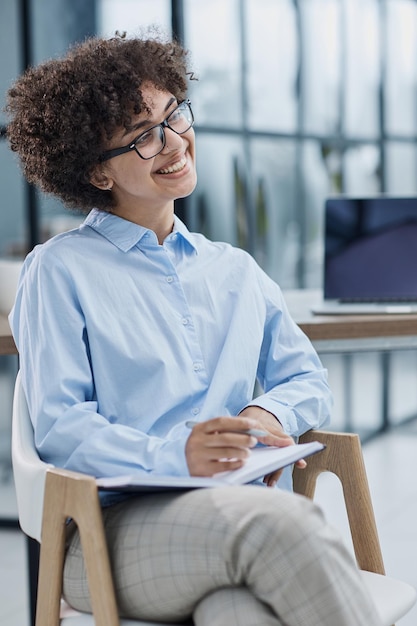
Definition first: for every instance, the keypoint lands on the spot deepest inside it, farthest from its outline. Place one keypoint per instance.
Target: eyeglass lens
(152, 141)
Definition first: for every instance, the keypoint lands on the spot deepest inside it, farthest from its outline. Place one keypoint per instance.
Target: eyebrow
(143, 123)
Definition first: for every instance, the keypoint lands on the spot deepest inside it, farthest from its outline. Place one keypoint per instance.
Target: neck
(161, 221)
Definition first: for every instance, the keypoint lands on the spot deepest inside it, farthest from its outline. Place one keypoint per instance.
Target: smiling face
(144, 190)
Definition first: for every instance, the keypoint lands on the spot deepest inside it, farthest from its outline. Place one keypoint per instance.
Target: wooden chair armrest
(72, 495)
(343, 457)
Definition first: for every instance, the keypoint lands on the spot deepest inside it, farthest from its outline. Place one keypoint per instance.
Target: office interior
(296, 100)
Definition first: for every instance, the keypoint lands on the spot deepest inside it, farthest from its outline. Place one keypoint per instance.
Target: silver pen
(255, 432)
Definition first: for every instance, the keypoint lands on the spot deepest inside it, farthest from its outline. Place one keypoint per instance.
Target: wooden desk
(350, 332)
(7, 344)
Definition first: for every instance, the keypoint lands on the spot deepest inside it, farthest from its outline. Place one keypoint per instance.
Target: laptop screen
(370, 249)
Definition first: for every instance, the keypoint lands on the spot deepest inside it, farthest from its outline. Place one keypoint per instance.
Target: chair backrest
(28, 470)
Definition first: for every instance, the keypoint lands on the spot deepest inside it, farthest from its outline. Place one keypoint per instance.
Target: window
(296, 100)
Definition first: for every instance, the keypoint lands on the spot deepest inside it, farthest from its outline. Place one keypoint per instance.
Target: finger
(225, 466)
(271, 479)
(214, 466)
(224, 455)
(301, 464)
(227, 453)
(280, 441)
(227, 424)
(211, 468)
(232, 440)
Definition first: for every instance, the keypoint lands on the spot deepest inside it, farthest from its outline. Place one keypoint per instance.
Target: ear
(100, 179)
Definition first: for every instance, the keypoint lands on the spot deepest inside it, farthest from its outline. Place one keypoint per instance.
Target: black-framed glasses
(152, 141)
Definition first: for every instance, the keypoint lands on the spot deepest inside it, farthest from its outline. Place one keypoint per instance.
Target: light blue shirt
(122, 340)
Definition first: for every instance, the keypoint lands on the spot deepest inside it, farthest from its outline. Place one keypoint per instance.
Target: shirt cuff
(282, 412)
(171, 459)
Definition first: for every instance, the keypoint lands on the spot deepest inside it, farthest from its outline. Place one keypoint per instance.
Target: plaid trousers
(232, 556)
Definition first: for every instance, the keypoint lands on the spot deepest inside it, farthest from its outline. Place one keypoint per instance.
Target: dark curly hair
(63, 112)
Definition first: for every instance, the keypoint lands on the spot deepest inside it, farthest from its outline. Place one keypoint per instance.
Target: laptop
(370, 256)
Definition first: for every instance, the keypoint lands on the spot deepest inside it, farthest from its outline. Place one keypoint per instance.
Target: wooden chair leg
(71, 495)
(343, 457)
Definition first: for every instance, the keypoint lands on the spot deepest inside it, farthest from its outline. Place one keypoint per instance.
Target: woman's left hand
(268, 422)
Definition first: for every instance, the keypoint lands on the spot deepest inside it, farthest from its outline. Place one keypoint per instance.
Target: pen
(250, 431)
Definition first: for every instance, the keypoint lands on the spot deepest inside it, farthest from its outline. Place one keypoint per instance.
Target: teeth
(174, 168)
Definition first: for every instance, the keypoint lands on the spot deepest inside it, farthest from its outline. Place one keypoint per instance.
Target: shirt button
(195, 411)
(184, 321)
(169, 279)
(196, 367)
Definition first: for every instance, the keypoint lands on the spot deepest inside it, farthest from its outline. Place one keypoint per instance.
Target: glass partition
(401, 161)
(362, 73)
(277, 234)
(401, 67)
(131, 15)
(323, 90)
(321, 40)
(272, 65)
(13, 224)
(12, 202)
(213, 35)
(319, 177)
(10, 49)
(362, 170)
(217, 208)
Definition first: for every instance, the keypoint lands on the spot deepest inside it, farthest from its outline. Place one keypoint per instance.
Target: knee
(274, 508)
(263, 518)
(273, 531)
(289, 514)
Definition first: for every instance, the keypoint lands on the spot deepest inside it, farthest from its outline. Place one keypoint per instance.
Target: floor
(390, 460)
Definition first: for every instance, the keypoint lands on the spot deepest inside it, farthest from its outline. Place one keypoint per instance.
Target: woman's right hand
(215, 446)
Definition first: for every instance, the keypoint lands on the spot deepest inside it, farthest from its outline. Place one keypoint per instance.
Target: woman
(130, 326)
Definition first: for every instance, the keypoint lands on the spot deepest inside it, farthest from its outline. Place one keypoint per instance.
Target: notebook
(262, 461)
(370, 256)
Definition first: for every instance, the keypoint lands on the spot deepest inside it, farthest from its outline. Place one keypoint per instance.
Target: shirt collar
(125, 235)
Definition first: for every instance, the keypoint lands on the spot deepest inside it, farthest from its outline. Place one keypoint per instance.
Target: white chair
(47, 496)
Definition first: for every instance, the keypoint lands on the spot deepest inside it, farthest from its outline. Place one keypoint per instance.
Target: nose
(173, 141)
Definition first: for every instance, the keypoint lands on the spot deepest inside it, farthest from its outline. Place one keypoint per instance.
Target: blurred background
(296, 100)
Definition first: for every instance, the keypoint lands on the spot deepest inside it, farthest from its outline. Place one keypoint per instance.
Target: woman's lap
(169, 551)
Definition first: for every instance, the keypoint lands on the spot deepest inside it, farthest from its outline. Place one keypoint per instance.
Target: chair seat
(393, 598)
(82, 619)
(69, 617)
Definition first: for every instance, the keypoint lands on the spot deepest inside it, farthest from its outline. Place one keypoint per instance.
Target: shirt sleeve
(51, 335)
(290, 372)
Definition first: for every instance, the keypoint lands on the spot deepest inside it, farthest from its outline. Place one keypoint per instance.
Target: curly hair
(64, 111)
